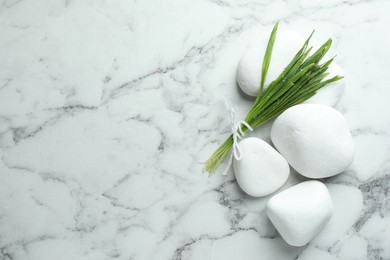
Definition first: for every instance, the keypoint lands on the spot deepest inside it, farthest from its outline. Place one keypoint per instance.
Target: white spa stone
(331, 93)
(300, 212)
(287, 44)
(315, 140)
(261, 170)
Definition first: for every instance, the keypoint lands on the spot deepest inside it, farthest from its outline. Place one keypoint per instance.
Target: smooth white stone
(261, 170)
(287, 44)
(315, 140)
(300, 212)
(331, 93)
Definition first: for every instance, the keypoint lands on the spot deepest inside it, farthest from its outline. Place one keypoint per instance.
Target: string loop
(237, 133)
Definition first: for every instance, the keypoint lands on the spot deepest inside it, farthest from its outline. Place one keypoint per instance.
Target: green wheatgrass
(299, 81)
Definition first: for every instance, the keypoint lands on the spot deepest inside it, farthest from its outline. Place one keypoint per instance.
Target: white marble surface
(106, 107)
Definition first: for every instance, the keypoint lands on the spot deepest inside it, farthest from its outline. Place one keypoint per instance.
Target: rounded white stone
(300, 212)
(287, 44)
(331, 93)
(315, 140)
(261, 170)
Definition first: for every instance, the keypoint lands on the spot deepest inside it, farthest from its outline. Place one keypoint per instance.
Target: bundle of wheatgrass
(299, 81)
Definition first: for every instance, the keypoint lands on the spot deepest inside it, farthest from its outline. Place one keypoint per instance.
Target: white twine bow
(237, 134)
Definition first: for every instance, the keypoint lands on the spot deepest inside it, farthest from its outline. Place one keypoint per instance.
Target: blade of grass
(267, 56)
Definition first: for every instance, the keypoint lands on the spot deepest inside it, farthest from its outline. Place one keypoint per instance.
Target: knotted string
(237, 133)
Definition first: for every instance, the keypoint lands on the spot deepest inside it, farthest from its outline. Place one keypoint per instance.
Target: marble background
(107, 106)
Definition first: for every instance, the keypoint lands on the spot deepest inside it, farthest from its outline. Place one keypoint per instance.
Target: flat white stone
(262, 170)
(315, 140)
(300, 212)
(287, 44)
